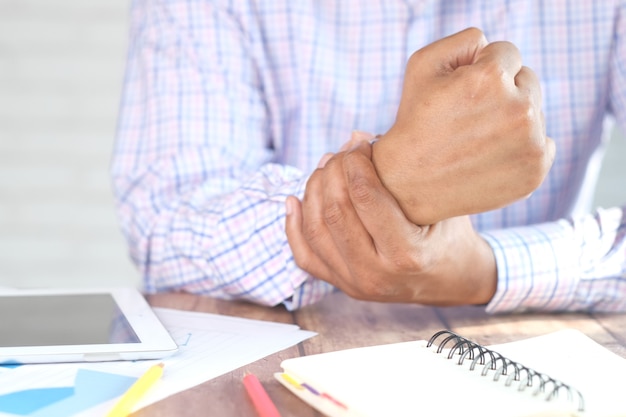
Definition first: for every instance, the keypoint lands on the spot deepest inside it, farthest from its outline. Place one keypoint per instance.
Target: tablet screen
(71, 319)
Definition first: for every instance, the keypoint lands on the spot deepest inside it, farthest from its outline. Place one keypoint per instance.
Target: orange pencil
(262, 402)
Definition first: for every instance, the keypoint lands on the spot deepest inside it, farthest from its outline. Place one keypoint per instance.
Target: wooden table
(342, 322)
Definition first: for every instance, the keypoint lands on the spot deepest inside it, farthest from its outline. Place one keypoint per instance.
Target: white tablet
(75, 325)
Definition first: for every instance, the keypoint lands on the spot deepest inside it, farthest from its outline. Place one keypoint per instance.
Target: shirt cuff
(536, 268)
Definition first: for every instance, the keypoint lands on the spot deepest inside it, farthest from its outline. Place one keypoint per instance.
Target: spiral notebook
(564, 373)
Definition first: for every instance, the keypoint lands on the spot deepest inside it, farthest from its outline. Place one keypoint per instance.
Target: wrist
(402, 180)
(485, 274)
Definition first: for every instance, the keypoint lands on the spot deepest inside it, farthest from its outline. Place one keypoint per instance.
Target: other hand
(350, 231)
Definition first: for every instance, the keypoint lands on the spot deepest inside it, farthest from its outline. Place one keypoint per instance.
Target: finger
(355, 137)
(527, 81)
(303, 255)
(314, 227)
(351, 239)
(375, 206)
(362, 147)
(503, 55)
(528, 86)
(455, 50)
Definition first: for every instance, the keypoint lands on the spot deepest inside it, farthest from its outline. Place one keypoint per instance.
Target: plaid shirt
(228, 106)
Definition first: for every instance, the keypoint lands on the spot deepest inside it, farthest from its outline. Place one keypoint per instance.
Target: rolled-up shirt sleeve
(200, 198)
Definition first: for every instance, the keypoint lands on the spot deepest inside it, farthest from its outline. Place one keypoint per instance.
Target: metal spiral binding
(490, 360)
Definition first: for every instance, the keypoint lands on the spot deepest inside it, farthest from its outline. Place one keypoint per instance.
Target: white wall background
(611, 190)
(61, 68)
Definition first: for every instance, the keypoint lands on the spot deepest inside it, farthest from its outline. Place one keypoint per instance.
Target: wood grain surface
(341, 323)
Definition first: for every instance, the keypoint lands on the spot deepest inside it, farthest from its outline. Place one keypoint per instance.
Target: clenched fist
(469, 135)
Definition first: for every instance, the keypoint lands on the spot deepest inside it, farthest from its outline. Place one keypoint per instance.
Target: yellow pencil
(136, 391)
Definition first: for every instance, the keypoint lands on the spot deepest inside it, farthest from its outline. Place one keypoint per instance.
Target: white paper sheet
(209, 345)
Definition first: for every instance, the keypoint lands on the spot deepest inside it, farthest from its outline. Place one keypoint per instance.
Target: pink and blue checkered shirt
(228, 106)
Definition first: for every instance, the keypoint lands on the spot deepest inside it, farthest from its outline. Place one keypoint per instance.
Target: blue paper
(90, 389)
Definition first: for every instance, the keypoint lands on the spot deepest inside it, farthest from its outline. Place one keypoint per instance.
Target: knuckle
(527, 121)
(483, 81)
(333, 214)
(313, 232)
(531, 81)
(360, 187)
(361, 191)
(491, 73)
(526, 117)
(507, 45)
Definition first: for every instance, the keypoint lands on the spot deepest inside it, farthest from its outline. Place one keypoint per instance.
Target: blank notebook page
(408, 379)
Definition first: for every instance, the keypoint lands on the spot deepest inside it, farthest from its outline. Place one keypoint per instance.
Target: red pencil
(262, 402)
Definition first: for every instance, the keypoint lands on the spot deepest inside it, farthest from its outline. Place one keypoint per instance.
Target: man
(230, 109)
